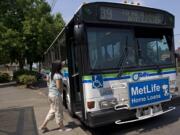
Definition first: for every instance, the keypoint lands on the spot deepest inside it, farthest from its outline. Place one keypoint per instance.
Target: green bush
(19, 73)
(4, 77)
(27, 79)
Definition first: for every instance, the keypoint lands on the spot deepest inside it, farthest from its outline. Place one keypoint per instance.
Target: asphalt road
(167, 124)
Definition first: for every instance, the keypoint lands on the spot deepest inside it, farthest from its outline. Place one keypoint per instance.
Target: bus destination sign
(130, 15)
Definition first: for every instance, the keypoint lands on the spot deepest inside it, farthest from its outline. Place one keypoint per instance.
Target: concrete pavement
(23, 110)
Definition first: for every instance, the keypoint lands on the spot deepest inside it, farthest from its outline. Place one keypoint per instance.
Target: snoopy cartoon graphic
(165, 90)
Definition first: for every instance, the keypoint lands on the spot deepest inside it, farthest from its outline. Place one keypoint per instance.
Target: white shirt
(53, 90)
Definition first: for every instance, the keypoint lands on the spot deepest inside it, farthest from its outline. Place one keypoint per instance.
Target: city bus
(118, 63)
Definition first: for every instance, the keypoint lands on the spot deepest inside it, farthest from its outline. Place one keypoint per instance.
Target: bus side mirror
(79, 33)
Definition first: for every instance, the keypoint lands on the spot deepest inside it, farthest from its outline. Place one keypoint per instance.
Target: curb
(2, 85)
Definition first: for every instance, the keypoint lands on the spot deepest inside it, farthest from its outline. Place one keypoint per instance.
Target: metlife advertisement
(148, 92)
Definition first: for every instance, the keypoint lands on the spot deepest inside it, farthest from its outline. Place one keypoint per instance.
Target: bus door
(75, 79)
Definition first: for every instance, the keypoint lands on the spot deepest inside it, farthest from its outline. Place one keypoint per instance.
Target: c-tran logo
(137, 76)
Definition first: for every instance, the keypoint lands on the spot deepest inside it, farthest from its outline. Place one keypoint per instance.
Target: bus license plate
(148, 110)
(149, 92)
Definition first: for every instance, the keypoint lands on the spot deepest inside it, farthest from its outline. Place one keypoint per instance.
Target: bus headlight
(174, 91)
(109, 103)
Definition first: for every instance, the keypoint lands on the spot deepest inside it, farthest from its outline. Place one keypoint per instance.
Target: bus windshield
(107, 47)
(154, 51)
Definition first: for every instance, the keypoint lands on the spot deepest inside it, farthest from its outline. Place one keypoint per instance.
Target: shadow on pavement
(69, 125)
(18, 121)
(139, 127)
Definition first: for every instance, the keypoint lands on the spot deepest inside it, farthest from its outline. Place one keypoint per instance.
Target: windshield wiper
(157, 65)
(123, 59)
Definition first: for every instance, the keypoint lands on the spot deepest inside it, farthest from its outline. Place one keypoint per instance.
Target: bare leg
(50, 116)
(44, 124)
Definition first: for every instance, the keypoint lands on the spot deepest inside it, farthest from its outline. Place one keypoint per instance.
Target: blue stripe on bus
(111, 79)
(169, 72)
(87, 81)
(108, 79)
(127, 77)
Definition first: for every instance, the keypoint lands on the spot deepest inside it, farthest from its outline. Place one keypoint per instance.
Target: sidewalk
(23, 110)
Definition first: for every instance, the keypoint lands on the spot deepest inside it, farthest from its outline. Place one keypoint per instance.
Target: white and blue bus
(119, 63)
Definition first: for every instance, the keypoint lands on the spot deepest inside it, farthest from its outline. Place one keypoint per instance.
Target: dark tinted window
(108, 47)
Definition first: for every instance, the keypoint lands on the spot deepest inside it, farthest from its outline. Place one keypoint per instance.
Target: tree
(28, 29)
(4, 58)
(10, 27)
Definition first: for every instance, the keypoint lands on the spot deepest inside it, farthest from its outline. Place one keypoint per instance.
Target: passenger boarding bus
(118, 63)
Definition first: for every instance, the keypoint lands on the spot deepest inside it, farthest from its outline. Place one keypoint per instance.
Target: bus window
(56, 52)
(63, 49)
(107, 46)
(154, 51)
(52, 54)
(148, 52)
(164, 52)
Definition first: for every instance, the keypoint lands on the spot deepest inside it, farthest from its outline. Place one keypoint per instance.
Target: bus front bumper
(109, 116)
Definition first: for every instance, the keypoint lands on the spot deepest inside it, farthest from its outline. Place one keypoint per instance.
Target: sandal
(44, 129)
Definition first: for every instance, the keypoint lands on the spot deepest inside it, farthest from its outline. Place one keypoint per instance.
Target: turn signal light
(90, 104)
(174, 91)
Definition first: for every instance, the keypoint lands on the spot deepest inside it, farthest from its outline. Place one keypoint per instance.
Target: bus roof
(124, 5)
(104, 12)
(168, 20)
